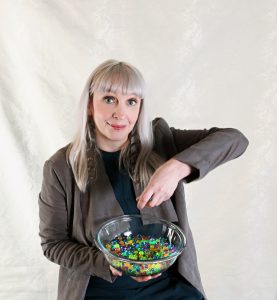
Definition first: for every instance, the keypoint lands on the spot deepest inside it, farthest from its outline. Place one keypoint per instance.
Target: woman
(120, 163)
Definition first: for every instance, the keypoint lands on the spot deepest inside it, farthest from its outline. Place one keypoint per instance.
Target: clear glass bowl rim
(102, 248)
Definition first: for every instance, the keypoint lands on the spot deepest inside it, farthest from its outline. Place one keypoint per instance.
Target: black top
(121, 183)
(169, 285)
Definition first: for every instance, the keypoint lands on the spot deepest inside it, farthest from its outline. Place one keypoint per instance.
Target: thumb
(115, 271)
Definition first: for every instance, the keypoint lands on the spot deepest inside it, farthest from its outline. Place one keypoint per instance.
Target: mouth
(116, 126)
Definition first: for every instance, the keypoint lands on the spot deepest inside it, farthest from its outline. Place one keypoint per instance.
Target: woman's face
(115, 116)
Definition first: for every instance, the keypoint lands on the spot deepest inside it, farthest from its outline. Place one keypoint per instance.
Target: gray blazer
(69, 219)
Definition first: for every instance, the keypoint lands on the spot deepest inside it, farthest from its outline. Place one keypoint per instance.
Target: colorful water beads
(140, 248)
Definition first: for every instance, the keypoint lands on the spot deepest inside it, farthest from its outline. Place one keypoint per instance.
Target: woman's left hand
(115, 272)
(163, 183)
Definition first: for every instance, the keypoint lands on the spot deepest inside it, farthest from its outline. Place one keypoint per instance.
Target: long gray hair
(137, 156)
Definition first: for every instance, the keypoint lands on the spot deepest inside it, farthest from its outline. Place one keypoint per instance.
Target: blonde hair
(138, 156)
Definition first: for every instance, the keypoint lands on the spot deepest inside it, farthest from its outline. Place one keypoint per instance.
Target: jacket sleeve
(206, 149)
(56, 242)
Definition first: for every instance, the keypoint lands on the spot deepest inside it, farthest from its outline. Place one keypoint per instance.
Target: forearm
(217, 148)
(81, 258)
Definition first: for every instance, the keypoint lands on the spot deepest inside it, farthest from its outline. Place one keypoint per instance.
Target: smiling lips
(116, 127)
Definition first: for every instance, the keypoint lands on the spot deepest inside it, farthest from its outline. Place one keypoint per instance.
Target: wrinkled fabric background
(206, 63)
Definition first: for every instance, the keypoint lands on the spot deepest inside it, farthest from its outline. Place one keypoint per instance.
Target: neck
(111, 147)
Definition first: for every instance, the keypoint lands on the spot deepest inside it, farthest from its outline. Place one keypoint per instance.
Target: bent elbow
(240, 141)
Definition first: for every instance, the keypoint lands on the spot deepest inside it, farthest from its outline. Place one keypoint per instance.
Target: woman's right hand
(115, 272)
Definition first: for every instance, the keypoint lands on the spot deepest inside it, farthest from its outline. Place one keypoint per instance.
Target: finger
(143, 199)
(142, 278)
(149, 203)
(146, 278)
(155, 201)
(159, 201)
(157, 275)
(115, 271)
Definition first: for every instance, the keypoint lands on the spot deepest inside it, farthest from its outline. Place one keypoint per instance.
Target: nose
(119, 113)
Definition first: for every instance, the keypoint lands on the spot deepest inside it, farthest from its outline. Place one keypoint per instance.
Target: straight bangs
(119, 78)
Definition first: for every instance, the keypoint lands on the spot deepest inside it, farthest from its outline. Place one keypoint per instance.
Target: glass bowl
(140, 245)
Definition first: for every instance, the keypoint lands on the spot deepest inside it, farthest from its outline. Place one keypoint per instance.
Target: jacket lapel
(99, 203)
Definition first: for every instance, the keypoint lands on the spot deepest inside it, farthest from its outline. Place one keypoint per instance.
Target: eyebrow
(113, 94)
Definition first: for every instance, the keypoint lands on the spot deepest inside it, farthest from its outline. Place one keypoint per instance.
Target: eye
(132, 101)
(109, 99)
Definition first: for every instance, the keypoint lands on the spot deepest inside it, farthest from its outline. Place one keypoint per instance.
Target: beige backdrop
(206, 63)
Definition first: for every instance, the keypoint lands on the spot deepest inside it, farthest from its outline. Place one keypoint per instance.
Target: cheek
(100, 111)
(134, 116)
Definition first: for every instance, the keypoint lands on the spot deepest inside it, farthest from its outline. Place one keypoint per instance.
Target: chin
(123, 140)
